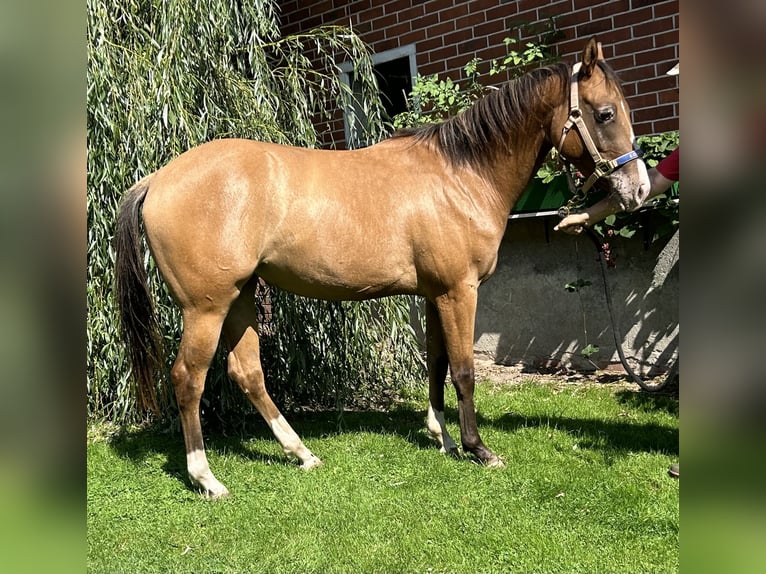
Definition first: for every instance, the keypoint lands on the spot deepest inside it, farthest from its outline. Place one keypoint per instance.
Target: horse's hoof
(451, 452)
(494, 462)
(311, 463)
(216, 494)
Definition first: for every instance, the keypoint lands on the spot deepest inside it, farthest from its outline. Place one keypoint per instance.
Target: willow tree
(166, 75)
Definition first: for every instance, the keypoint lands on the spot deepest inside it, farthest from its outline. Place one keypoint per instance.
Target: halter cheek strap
(603, 167)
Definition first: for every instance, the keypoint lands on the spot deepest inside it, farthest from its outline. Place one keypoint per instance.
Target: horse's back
(327, 224)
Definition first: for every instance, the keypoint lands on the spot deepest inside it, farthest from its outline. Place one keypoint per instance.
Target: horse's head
(601, 145)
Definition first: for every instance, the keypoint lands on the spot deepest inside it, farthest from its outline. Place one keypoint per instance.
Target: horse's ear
(590, 54)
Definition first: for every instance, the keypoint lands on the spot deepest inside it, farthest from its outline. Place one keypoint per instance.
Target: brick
(427, 20)
(431, 68)
(355, 5)
(642, 128)
(612, 38)
(609, 9)
(491, 28)
(594, 28)
(580, 4)
(411, 14)
(387, 44)
(442, 54)
(471, 20)
(472, 45)
(457, 63)
(370, 14)
(385, 21)
(650, 114)
(571, 19)
(288, 6)
(653, 27)
(634, 4)
(643, 100)
(397, 30)
(374, 36)
(628, 89)
(503, 11)
(494, 51)
(453, 13)
(657, 83)
(430, 44)
(457, 37)
(663, 54)
(637, 73)
(669, 38)
(496, 45)
(621, 62)
(667, 96)
(554, 9)
(433, 6)
(393, 6)
(633, 17)
(634, 45)
(319, 8)
(666, 125)
(665, 9)
(414, 37)
(299, 15)
(440, 30)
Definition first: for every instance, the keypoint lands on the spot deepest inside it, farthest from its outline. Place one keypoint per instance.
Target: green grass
(585, 490)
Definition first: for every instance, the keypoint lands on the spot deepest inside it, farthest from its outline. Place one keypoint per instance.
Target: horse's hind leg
(244, 366)
(198, 344)
(436, 356)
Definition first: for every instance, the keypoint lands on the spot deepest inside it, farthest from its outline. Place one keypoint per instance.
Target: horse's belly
(341, 278)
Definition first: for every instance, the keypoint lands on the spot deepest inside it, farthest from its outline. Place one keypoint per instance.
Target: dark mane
(490, 126)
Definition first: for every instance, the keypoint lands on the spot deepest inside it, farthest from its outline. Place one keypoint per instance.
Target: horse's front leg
(436, 357)
(457, 312)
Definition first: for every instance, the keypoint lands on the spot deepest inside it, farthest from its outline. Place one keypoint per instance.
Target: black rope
(672, 373)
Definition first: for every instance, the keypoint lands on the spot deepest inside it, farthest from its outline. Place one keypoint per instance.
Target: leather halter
(603, 167)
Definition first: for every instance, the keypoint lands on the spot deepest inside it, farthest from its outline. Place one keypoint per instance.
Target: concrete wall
(526, 315)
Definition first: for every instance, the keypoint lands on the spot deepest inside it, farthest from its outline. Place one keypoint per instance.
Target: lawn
(585, 490)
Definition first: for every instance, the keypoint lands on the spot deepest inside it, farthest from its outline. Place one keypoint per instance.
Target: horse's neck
(512, 174)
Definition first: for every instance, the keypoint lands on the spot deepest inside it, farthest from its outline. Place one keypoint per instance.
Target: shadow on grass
(137, 446)
(648, 402)
(618, 437)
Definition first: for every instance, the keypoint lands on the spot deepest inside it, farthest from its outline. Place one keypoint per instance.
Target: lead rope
(672, 373)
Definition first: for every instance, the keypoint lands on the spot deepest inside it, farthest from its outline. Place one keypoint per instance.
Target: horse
(422, 212)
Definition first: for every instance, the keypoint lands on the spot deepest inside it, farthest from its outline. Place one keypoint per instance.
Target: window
(394, 72)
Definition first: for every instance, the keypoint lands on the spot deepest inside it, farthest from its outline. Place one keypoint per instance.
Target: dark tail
(137, 319)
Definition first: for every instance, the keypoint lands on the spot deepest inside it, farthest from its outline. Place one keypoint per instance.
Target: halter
(603, 167)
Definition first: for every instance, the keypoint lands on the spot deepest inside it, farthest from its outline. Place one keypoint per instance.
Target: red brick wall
(640, 38)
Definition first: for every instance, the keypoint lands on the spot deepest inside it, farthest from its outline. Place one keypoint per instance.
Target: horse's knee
(463, 381)
(462, 373)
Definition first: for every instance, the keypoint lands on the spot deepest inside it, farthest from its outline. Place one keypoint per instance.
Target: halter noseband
(603, 167)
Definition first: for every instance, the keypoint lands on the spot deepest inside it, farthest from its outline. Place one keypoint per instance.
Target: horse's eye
(604, 115)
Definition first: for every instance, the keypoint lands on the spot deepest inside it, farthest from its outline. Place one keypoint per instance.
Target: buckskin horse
(422, 212)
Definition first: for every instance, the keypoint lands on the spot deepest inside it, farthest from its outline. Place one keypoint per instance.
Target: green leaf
(589, 350)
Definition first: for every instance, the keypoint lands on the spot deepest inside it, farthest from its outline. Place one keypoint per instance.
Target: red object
(668, 167)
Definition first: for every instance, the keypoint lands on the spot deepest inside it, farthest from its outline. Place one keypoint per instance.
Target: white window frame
(347, 68)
